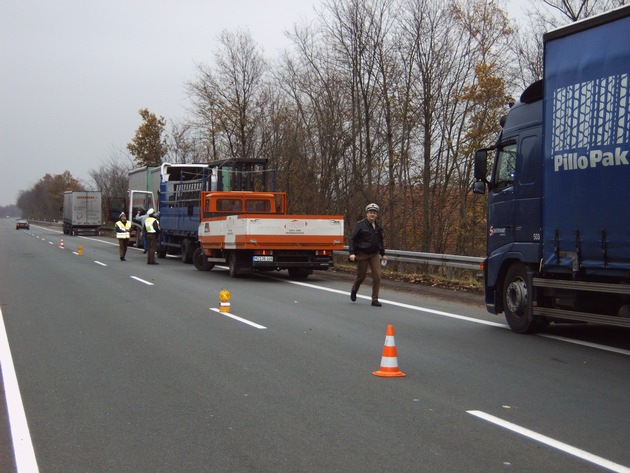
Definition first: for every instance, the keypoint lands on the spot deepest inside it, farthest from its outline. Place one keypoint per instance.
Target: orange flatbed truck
(251, 231)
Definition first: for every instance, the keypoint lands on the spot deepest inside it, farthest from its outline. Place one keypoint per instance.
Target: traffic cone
(389, 361)
(61, 243)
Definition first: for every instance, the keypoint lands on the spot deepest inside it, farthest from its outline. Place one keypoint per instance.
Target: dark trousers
(122, 246)
(152, 238)
(373, 261)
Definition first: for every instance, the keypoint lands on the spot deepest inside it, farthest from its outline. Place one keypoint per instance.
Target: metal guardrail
(412, 257)
(433, 259)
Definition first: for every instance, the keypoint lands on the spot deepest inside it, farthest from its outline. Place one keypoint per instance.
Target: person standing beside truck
(152, 229)
(122, 234)
(367, 249)
(142, 218)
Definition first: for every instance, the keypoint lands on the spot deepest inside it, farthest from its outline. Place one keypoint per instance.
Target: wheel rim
(516, 296)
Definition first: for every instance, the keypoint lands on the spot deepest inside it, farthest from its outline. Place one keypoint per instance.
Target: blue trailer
(179, 197)
(558, 241)
(180, 188)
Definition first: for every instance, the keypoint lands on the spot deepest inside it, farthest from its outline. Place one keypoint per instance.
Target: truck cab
(514, 192)
(557, 232)
(219, 204)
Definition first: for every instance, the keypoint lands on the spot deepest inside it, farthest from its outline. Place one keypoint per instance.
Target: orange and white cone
(61, 243)
(389, 361)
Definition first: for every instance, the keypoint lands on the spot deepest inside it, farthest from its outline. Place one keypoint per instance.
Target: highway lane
(119, 375)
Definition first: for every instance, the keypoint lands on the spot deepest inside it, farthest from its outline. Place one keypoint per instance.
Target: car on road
(22, 224)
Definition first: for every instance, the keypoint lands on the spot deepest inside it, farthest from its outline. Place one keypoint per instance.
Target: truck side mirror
(479, 187)
(480, 171)
(481, 165)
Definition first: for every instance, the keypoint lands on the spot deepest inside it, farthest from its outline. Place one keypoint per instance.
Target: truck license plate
(263, 258)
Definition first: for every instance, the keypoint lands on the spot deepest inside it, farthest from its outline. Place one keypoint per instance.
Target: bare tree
(112, 176)
(229, 98)
(546, 15)
(185, 145)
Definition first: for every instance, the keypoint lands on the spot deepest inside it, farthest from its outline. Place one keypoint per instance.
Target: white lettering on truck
(595, 158)
(588, 128)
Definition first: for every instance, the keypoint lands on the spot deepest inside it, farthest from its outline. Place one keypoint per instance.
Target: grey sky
(74, 73)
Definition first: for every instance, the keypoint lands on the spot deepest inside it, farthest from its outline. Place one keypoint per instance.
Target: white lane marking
(24, 453)
(406, 306)
(551, 442)
(50, 243)
(597, 346)
(98, 262)
(245, 321)
(142, 281)
(621, 351)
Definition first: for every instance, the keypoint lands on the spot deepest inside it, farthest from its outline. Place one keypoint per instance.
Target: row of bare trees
(377, 100)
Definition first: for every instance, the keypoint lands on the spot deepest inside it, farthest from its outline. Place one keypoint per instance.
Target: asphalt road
(126, 367)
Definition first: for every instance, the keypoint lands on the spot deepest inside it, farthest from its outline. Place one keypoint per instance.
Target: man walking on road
(152, 229)
(367, 249)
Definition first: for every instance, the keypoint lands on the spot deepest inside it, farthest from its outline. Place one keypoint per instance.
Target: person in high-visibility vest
(152, 229)
(122, 234)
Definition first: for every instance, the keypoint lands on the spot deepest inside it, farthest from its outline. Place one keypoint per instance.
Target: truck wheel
(187, 250)
(139, 240)
(233, 270)
(200, 261)
(515, 300)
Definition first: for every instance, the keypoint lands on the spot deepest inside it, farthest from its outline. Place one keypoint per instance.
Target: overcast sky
(74, 73)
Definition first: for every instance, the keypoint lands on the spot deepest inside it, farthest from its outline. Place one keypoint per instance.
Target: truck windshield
(506, 167)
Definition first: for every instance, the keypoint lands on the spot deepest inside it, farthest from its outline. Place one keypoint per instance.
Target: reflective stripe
(148, 224)
(123, 226)
(389, 362)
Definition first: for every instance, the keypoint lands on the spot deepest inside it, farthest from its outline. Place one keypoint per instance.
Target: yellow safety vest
(125, 227)
(148, 224)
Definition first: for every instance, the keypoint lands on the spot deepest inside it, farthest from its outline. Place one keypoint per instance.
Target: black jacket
(366, 239)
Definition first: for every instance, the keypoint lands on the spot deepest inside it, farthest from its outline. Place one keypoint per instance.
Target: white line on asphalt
(551, 442)
(245, 321)
(597, 346)
(142, 281)
(23, 451)
(407, 306)
(98, 262)
(621, 351)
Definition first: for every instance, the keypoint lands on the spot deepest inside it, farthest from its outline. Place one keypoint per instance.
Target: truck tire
(140, 240)
(161, 251)
(187, 250)
(200, 261)
(515, 299)
(232, 268)
(239, 264)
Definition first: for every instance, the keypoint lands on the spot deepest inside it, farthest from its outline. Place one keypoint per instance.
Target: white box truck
(81, 212)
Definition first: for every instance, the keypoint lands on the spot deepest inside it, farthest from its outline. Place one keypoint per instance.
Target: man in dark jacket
(367, 249)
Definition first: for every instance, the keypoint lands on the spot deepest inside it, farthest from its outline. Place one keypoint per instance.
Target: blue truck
(180, 188)
(179, 198)
(558, 223)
